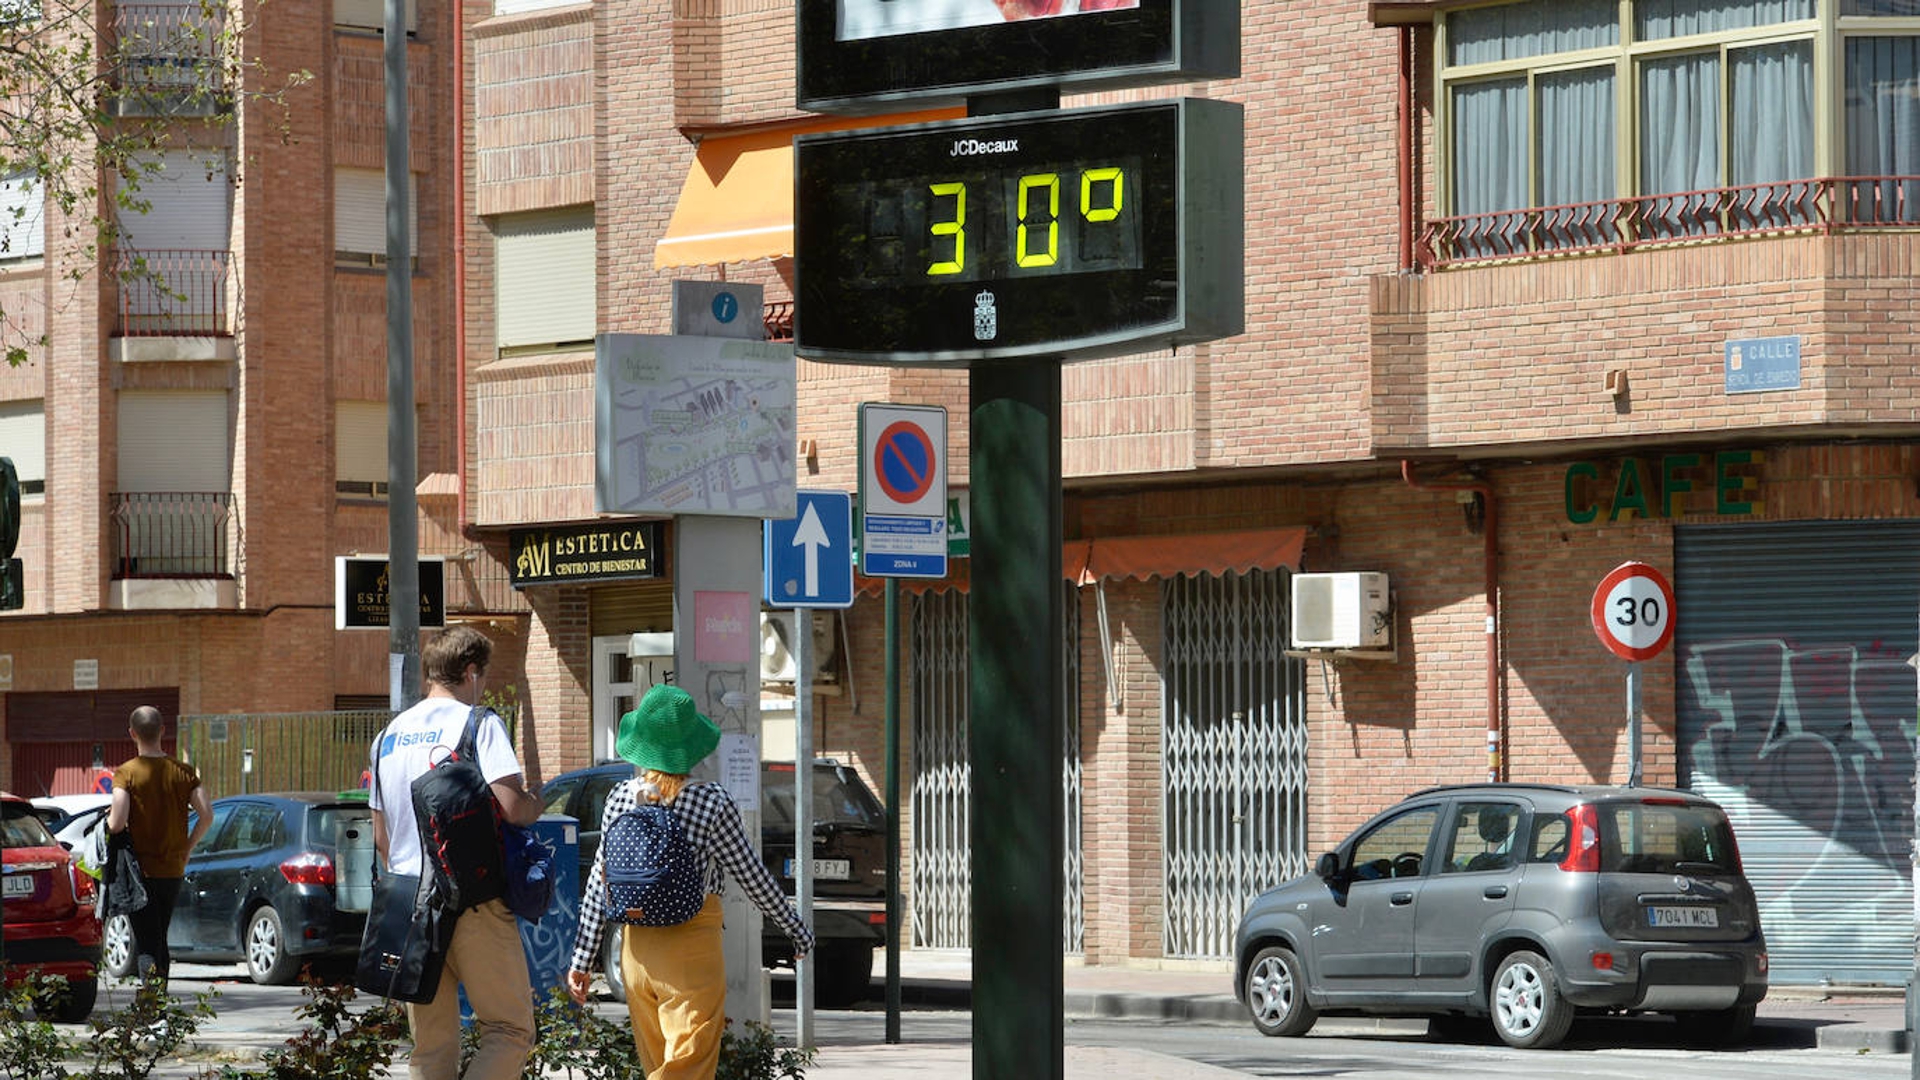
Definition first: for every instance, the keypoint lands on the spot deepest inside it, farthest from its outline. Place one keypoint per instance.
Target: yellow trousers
(676, 980)
(486, 960)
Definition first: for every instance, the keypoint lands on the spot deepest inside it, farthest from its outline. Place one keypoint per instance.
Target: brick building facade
(1493, 397)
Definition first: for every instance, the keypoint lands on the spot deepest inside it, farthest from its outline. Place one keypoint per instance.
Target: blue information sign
(807, 560)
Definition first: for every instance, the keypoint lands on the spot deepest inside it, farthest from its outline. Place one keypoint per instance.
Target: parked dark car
(1525, 903)
(850, 869)
(278, 881)
(47, 911)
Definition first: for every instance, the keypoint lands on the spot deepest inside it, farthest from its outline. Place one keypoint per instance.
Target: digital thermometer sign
(1067, 234)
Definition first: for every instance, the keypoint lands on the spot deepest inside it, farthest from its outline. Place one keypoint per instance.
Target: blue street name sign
(807, 560)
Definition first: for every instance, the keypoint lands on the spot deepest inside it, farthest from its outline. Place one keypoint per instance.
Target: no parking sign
(903, 490)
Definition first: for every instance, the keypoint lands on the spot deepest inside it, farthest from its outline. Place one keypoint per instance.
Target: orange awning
(1086, 562)
(737, 202)
(1184, 554)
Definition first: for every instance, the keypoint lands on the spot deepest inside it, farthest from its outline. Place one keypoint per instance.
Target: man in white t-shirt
(485, 957)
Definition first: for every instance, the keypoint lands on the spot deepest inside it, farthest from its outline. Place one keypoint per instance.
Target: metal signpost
(807, 563)
(1009, 242)
(1633, 616)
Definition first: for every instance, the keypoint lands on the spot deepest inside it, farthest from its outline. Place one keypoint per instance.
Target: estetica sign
(360, 599)
(609, 552)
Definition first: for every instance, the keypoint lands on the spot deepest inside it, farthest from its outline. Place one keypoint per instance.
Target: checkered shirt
(712, 825)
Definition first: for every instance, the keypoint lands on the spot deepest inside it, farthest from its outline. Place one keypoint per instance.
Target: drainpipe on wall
(1403, 135)
(1490, 534)
(460, 268)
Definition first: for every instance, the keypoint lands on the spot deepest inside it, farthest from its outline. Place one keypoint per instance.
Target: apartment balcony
(166, 60)
(172, 549)
(1541, 329)
(1779, 208)
(173, 305)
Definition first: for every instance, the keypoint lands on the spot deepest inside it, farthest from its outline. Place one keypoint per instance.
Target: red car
(50, 923)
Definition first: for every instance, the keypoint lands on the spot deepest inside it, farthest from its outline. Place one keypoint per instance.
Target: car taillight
(876, 918)
(1583, 841)
(85, 889)
(311, 868)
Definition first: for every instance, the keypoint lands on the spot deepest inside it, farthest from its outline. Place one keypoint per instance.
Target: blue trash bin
(549, 943)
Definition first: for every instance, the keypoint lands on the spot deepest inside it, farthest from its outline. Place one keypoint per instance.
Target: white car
(75, 815)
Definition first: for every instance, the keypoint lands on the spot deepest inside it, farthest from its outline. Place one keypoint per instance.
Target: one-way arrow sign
(807, 560)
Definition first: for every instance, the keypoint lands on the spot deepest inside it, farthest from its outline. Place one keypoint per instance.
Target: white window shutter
(23, 437)
(544, 278)
(191, 206)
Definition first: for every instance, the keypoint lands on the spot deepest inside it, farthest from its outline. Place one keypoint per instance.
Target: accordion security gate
(1234, 746)
(939, 896)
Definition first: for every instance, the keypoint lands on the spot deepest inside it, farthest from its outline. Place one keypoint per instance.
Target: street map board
(693, 425)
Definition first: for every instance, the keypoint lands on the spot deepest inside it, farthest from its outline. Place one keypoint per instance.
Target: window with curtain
(1563, 124)
(1882, 129)
(1705, 110)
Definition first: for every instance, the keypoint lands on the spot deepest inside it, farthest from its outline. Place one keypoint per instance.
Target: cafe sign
(612, 551)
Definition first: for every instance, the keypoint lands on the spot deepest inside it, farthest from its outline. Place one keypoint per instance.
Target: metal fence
(315, 751)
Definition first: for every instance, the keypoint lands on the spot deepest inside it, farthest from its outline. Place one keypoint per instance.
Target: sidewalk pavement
(1199, 992)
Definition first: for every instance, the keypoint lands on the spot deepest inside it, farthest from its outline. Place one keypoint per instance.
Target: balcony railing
(778, 317)
(172, 292)
(1782, 207)
(167, 50)
(172, 534)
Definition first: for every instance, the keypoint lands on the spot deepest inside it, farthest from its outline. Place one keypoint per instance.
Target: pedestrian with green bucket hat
(675, 974)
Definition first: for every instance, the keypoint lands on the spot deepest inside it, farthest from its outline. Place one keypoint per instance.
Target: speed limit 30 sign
(1633, 611)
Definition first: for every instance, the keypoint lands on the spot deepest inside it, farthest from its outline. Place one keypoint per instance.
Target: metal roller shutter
(360, 435)
(190, 199)
(631, 608)
(360, 212)
(545, 282)
(1796, 706)
(174, 440)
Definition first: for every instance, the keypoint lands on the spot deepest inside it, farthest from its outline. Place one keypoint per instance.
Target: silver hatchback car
(1525, 903)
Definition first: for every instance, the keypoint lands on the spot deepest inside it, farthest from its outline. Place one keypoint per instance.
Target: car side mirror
(1328, 867)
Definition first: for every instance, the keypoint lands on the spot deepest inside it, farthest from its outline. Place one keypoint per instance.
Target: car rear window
(324, 823)
(1664, 838)
(837, 800)
(20, 827)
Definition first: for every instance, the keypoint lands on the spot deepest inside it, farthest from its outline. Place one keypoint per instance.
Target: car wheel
(72, 1005)
(1722, 1027)
(1276, 993)
(842, 974)
(1528, 1011)
(265, 945)
(116, 947)
(610, 963)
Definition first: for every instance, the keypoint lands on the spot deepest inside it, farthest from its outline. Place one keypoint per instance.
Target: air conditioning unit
(776, 645)
(1341, 611)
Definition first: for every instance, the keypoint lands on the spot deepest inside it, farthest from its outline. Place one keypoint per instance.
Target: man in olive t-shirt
(152, 794)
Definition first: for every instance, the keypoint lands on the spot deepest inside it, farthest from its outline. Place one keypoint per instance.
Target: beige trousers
(487, 961)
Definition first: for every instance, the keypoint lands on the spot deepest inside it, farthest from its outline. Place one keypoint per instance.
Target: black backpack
(460, 826)
(654, 876)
